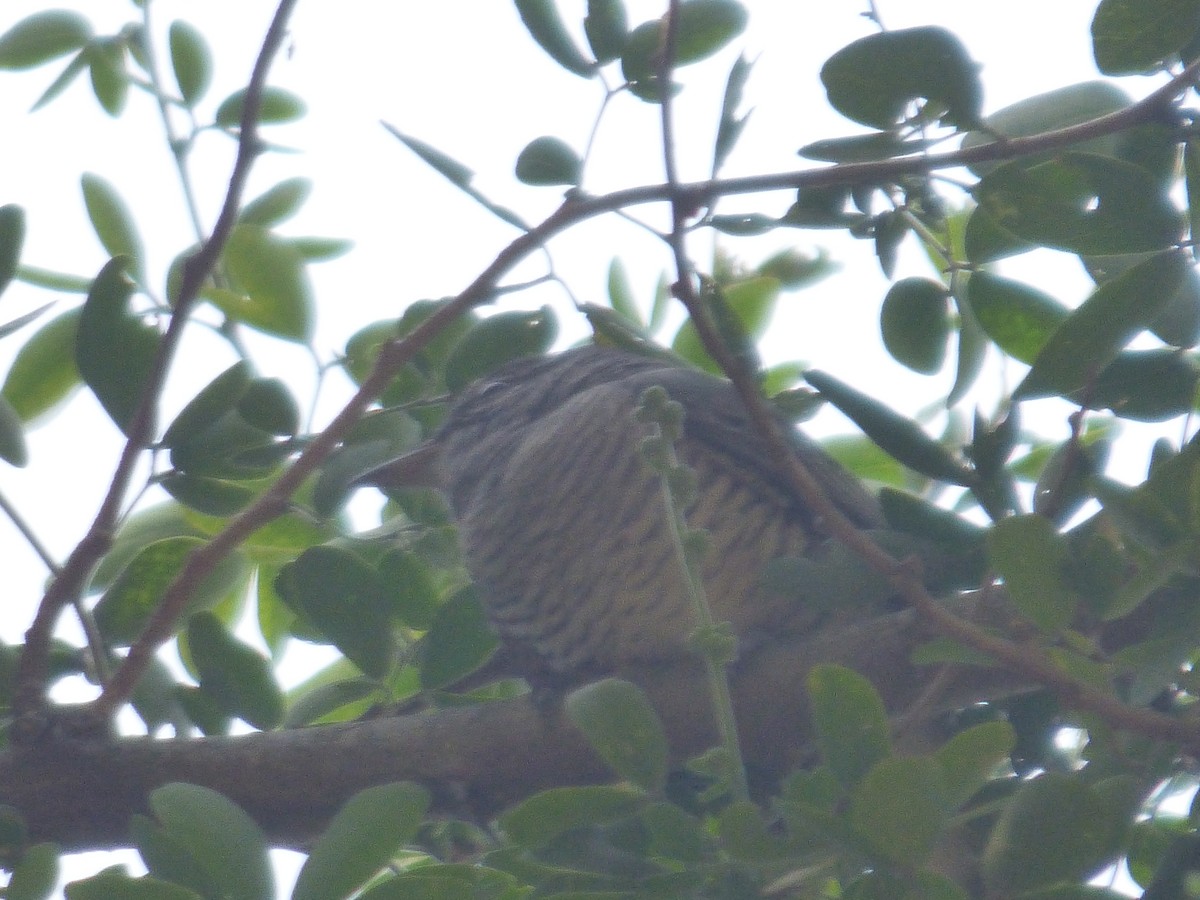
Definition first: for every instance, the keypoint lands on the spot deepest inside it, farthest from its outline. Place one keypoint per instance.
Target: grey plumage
(563, 524)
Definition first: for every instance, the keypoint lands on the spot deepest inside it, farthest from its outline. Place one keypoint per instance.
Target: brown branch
(575, 209)
(32, 671)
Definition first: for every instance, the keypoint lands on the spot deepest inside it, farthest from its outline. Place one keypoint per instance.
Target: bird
(563, 523)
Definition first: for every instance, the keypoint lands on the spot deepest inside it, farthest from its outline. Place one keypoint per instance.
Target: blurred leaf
(268, 404)
(1134, 36)
(606, 27)
(275, 295)
(705, 26)
(623, 728)
(1031, 556)
(496, 340)
(972, 757)
(730, 126)
(12, 236)
(1145, 385)
(874, 79)
(850, 720)
(620, 292)
(900, 806)
(224, 842)
(110, 80)
(114, 351)
(746, 307)
(114, 882)
(915, 322)
(343, 598)
(863, 147)
(414, 594)
(458, 642)
(78, 63)
(278, 204)
(361, 840)
(207, 407)
(545, 26)
(12, 436)
(1094, 333)
(112, 222)
(1018, 317)
(54, 281)
(191, 60)
(35, 876)
(237, 676)
(209, 495)
(277, 106)
(1083, 203)
(544, 816)
(41, 37)
(549, 161)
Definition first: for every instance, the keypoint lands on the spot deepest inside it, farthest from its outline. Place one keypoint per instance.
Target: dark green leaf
(1055, 829)
(1094, 333)
(274, 293)
(1145, 385)
(545, 26)
(411, 587)
(1179, 323)
(986, 241)
(1031, 556)
(12, 236)
(237, 676)
(1083, 203)
(705, 26)
(606, 26)
(900, 437)
(1191, 172)
(342, 597)
(211, 496)
(1132, 36)
(224, 842)
(972, 350)
(207, 407)
(544, 816)
(874, 79)
(623, 729)
(973, 757)
(191, 61)
(1019, 318)
(276, 106)
(114, 351)
(863, 147)
(361, 840)
(900, 807)
(116, 883)
(112, 222)
(278, 204)
(741, 310)
(915, 323)
(12, 436)
(41, 37)
(34, 877)
(458, 641)
(110, 80)
(730, 126)
(549, 161)
(850, 720)
(496, 340)
(269, 405)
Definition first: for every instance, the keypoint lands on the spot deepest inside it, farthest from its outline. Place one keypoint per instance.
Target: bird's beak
(421, 467)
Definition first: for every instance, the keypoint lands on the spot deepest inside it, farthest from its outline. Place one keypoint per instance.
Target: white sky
(462, 75)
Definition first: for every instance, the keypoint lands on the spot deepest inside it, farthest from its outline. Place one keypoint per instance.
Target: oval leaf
(496, 340)
(275, 294)
(1031, 556)
(12, 236)
(851, 722)
(623, 729)
(545, 25)
(915, 323)
(549, 161)
(1019, 318)
(41, 37)
(276, 106)
(191, 61)
(236, 676)
(112, 221)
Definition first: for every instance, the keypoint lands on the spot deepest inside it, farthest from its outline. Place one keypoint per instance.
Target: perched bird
(563, 523)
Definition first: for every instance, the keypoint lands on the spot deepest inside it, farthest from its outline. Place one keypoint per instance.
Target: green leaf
(274, 294)
(212, 496)
(1054, 829)
(1083, 203)
(900, 437)
(496, 340)
(458, 642)
(207, 407)
(223, 841)
(414, 594)
(705, 27)
(54, 281)
(915, 322)
(238, 677)
(748, 305)
(900, 807)
(115, 883)
(114, 351)
(1133, 36)
(41, 37)
(544, 816)
(136, 592)
(623, 728)
(1095, 332)
(606, 26)
(1019, 318)
(730, 126)
(34, 877)
(1031, 556)
(620, 293)
(343, 598)
(110, 80)
(191, 60)
(545, 26)
(1145, 385)
(972, 758)
(850, 720)
(112, 222)
(269, 405)
(278, 204)
(361, 840)
(12, 436)
(549, 161)
(276, 107)
(874, 79)
(12, 236)
(74, 69)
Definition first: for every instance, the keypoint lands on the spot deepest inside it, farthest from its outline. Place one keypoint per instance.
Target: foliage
(241, 510)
